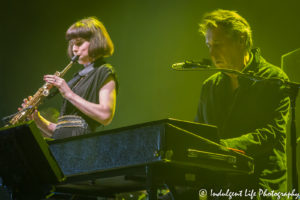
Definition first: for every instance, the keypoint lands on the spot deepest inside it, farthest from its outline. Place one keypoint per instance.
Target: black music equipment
(298, 153)
(27, 167)
(144, 156)
(290, 63)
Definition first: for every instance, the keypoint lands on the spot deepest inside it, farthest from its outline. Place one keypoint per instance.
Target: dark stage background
(149, 35)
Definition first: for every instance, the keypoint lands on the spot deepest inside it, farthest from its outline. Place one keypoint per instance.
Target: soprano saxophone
(38, 97)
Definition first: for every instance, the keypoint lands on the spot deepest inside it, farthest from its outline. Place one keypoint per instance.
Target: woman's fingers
(25, 102)
(50, 78)
(54, 80)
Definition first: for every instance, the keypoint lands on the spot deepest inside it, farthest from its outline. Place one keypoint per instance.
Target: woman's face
(80, 47)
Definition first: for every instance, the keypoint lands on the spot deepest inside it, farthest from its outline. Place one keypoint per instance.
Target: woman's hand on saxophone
(44, 125)
(60, 83)
(33, 116)
(25, 101)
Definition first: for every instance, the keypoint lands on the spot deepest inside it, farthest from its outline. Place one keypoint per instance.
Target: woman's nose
(75, 48)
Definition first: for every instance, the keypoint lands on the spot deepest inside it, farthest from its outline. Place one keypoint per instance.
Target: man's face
(226, 52)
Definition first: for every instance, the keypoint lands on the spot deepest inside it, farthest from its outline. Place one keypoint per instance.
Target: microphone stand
(291, 89)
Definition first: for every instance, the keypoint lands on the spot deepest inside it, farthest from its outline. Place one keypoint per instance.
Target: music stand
(27, 166)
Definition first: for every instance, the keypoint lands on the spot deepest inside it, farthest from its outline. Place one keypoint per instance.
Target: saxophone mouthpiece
(75, 58)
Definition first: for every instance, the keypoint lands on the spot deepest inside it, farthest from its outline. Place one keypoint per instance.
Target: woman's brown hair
(92, 30)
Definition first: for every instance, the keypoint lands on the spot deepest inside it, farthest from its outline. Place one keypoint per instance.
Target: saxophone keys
(46, 92)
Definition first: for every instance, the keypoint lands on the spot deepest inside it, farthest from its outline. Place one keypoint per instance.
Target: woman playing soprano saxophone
(90, 100)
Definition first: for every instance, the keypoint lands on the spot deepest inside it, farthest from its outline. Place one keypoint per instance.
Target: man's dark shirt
(252, 118)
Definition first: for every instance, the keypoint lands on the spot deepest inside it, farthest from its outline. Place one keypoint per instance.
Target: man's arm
(264, 137)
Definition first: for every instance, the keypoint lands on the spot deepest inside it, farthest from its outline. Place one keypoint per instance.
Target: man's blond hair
(231, 22)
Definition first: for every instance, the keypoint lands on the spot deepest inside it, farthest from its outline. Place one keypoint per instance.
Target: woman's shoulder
(106, 67)
(105, 71)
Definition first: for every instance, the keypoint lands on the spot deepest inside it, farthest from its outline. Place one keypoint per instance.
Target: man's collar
(254, 59)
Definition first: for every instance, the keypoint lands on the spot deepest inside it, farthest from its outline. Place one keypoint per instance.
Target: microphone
(204, 64)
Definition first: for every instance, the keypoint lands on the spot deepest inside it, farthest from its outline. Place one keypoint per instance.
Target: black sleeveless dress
(73, 122)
